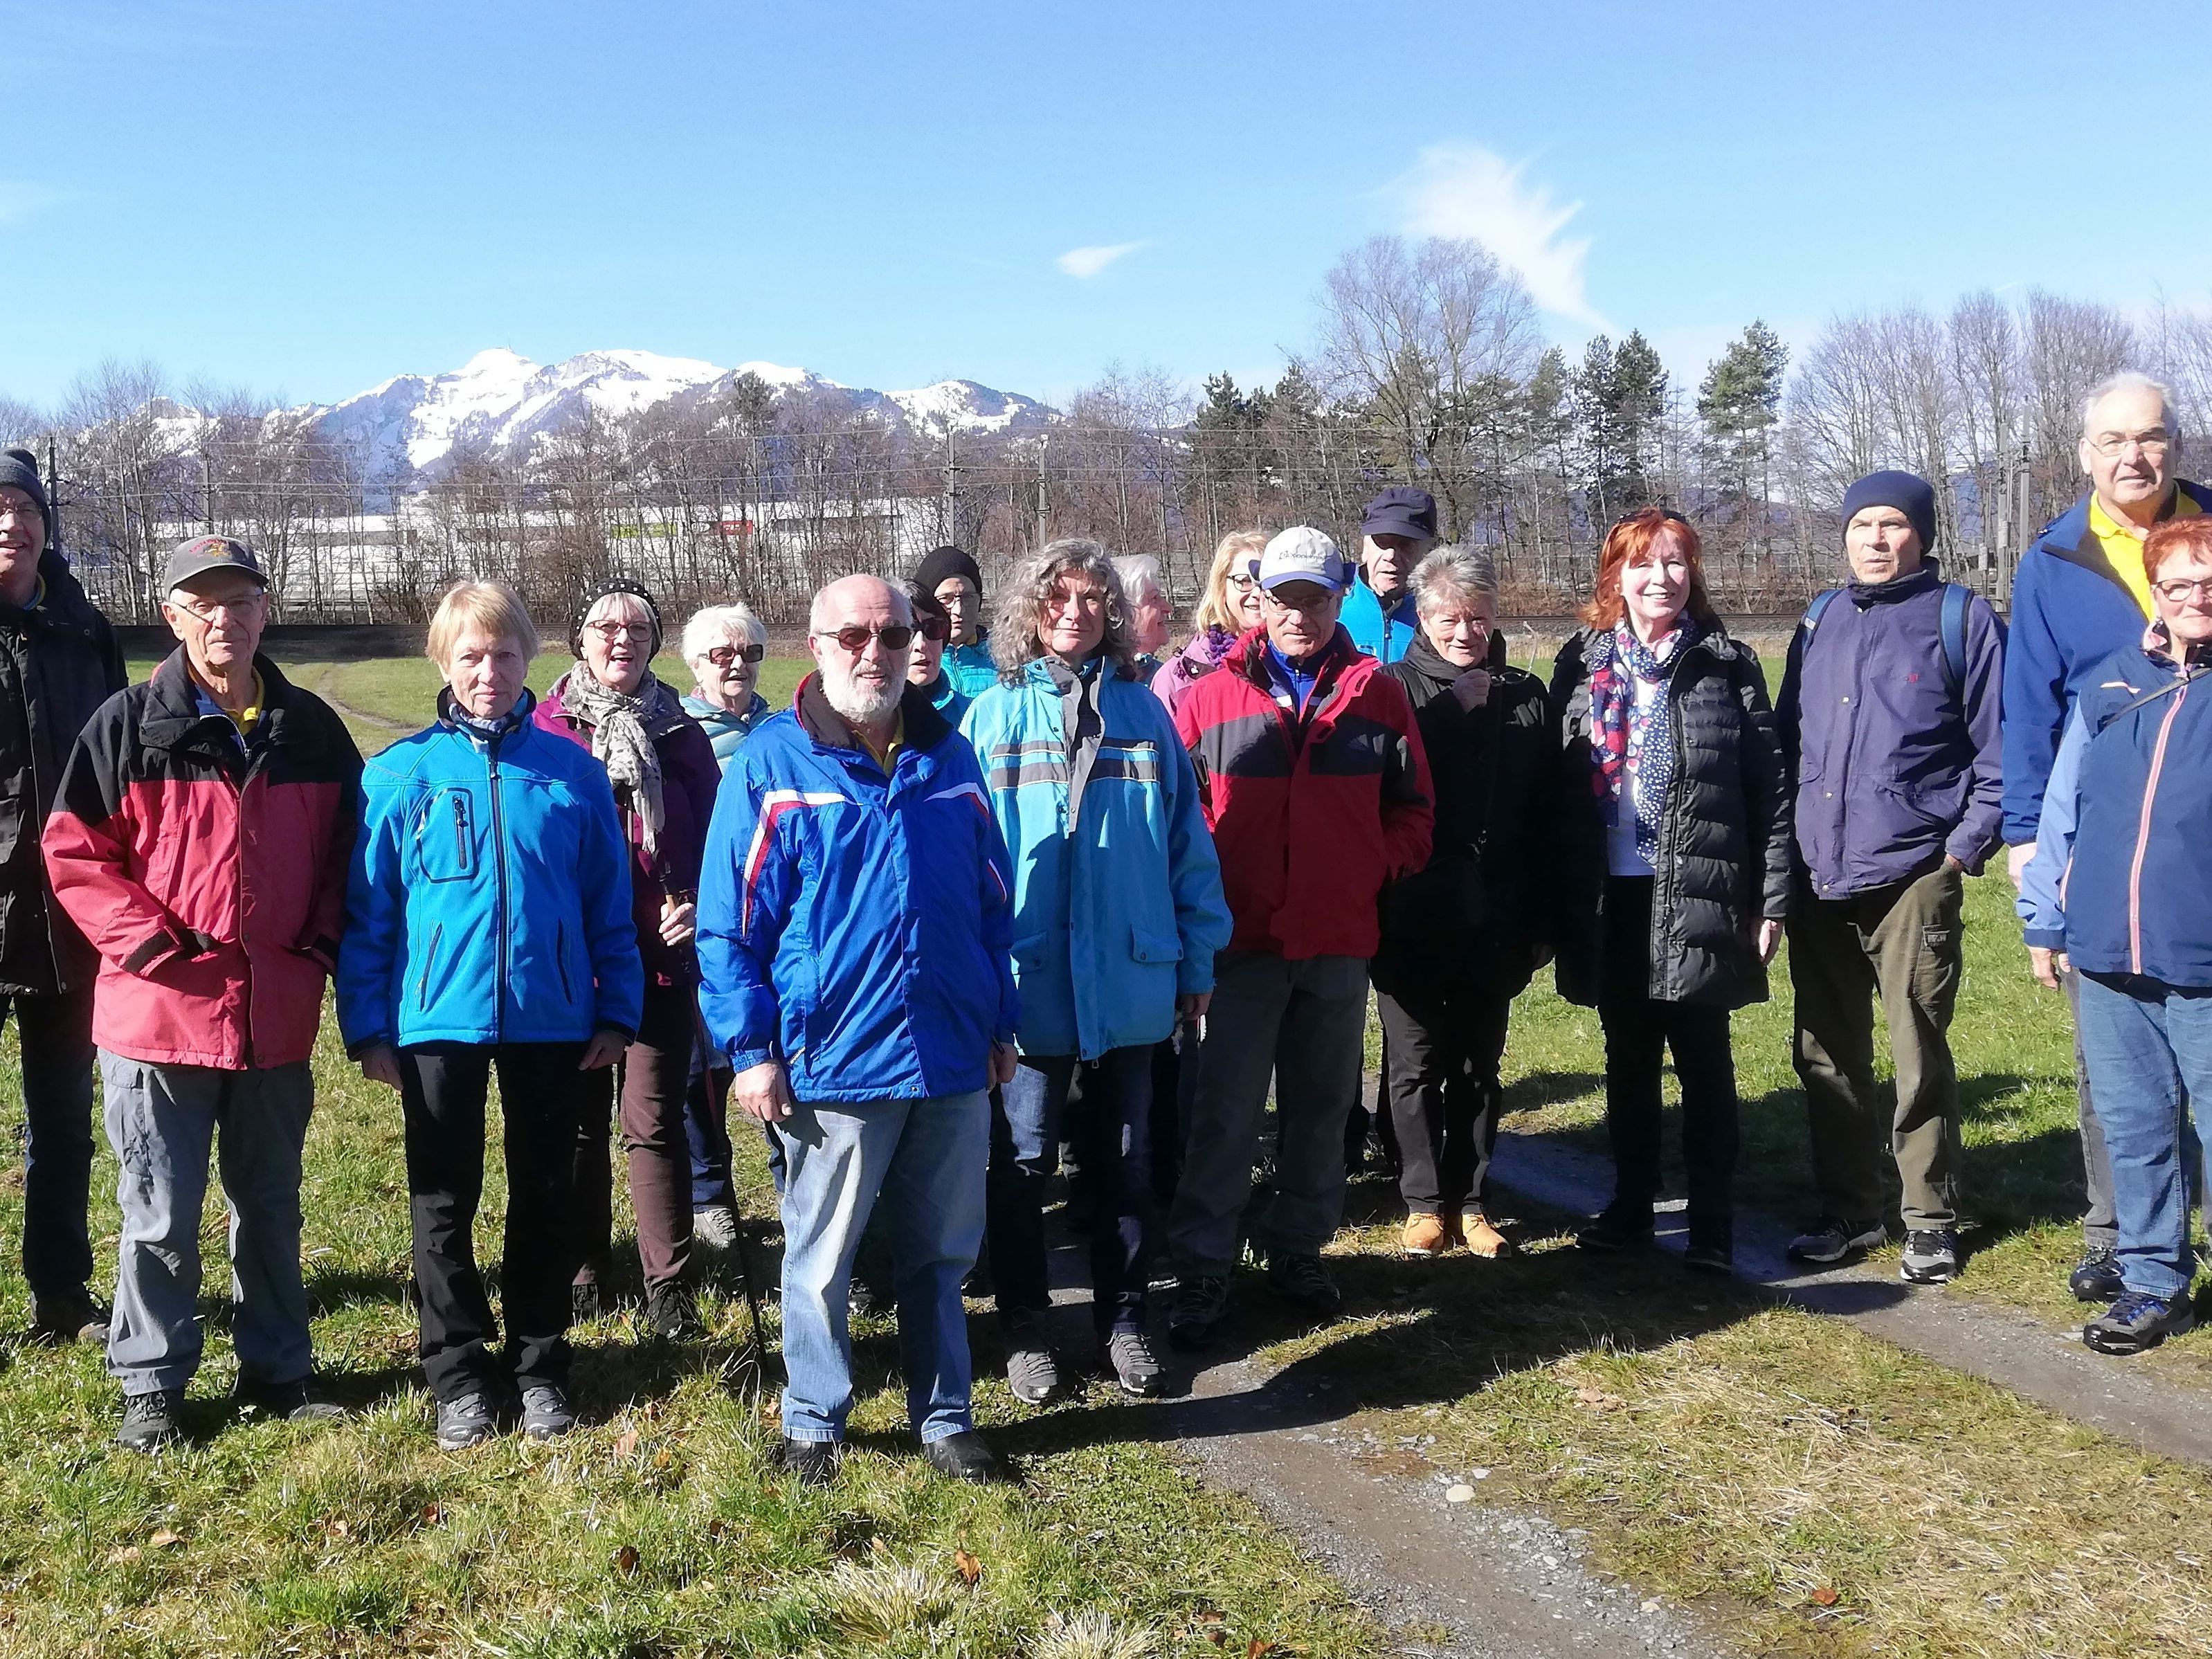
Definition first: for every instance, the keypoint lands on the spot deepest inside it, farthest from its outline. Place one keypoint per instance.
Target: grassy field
(1805, 1488)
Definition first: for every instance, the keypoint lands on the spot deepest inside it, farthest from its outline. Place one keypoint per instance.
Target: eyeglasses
(207, 611)
(1243, 581)
(611, 631)
(723, 655)
(1320, 601)
(2154, 444)
(2183, 588)
(895, 636)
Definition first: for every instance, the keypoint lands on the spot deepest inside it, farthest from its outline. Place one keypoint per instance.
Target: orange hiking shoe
(1424, 1235)
(1483, 1239)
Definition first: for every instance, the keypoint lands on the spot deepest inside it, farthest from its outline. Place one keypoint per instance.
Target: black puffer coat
(59, 662)
(1724, 859)
(1477, 909)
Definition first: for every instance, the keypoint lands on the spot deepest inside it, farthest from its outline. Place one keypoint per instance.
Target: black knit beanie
(599, 591)
(1909, 493)
(19, 468)
(940, 564)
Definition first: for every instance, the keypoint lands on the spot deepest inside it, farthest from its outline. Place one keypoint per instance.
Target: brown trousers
(654, 1073)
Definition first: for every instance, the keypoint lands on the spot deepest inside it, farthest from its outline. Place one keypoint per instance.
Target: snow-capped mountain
(502, 403)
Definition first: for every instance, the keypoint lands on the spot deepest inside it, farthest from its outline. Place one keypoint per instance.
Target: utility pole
(1044, 494)
(948, 520)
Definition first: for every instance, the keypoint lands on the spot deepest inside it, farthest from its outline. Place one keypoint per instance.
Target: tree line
(1426, 364)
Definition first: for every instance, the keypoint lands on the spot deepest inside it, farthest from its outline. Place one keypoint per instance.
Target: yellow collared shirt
(887, 757)
(2122, 544)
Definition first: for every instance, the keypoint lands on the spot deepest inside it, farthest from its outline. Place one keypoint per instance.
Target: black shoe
(72, 1317)
(1201, 1304)
(2096, 1277)
(812, 1461)
(290, 1402)
(469, 1421)
(585, 1304)
(1830, 1240)
(1617, 1227)
(964, 1457)
(1136, 1369)
(671, 1312)
(151, 1421)
(546, 1413)
(2137, 1322)
(861, 1301)
(1709, 1259)
(1301, 1281)
(1931, 1257)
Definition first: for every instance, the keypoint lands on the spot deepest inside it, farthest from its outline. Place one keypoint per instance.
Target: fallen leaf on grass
(1259, 1648)
(1211, 1616)
(625, 1443)
(1826, 1597)
(128, 1553)
(970, 1568)
(1598, 1400)
(434, 1515)
(166, 1539)
(626, 1561)
(1217, 1636)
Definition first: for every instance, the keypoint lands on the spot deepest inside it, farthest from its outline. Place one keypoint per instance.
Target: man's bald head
(859, 599)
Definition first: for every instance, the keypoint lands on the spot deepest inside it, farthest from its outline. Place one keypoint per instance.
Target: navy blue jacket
(490, 900)
(2068, 613)
(2117, 879)
(1894, 768)
(855, 925)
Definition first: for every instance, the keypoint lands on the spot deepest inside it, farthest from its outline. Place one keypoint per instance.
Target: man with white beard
(855, 926)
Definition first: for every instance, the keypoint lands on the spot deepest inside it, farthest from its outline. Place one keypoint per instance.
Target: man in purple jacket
(1890, 710)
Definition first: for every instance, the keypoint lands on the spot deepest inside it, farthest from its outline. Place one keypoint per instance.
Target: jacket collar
(1423, 658)
(1928, 577)
(62, 604)
(2068, 536)
(173, 713)
(1250, 656)
(925, 726)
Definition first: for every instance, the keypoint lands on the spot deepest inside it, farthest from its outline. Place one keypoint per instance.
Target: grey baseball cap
(197, 557)
(1302, 554)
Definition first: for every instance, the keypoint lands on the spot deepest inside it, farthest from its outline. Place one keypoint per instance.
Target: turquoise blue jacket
(1118, 907)
(970, 668)
(724, 730)
(490, 896)
(1384, 635)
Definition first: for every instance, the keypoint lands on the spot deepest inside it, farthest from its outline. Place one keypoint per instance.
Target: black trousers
(1443, 1044)
(55, 1036)
(1638, 1032)
(441, 1093)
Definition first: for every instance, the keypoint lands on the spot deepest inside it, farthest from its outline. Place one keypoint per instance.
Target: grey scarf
(622, 724)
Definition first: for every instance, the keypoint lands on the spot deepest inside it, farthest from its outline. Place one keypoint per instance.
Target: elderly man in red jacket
(201, 842)
(1317, 788)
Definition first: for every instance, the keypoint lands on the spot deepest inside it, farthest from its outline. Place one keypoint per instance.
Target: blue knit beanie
(1909, 493)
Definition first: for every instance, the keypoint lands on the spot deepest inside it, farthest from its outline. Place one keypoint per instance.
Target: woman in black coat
(1462, 936)
(1675, 849)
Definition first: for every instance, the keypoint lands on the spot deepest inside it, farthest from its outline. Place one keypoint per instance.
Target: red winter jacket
(1311, 816)
(210, 879)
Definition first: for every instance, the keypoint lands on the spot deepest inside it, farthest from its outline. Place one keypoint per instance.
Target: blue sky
(305, 198)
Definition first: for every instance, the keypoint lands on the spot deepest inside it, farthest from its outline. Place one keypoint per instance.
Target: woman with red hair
(1675, 865)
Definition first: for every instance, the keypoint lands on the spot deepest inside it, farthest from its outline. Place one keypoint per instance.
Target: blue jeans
(162, 1121)
(706, 1129)
(925, 1158)
(2149, 1048)
(1111, 1128)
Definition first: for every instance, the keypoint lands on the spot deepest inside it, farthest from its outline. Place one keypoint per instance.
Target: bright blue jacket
(852, 925)
(2117, 879)
(2069, 612)
(1118, 907)
(490, 896)
(1381, 636)
(971, 668)
(946, 700)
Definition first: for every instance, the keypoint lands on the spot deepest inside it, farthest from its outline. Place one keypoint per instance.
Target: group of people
(988, 901)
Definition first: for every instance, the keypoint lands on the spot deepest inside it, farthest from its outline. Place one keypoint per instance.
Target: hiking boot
(1201, 1304)
(546, 1413)
(2137, 1322)
(1616, 1228)
(72, 1317)
(1136, 1371)
(151, 1421)
(2096, 1277)
(673, 1313)
(1709, 1259)
(1424, 1235)
(1032, 1371)
(1301, 1281)
(812, 1462)
(585, 1304)
(963, 1456)
(1931, 1257)
(469, 1421)
(1830, 1240)
(289, 1402)
(716, 1226)
(1483, 1239)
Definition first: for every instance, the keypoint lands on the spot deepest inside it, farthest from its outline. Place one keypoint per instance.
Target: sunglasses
(1667, 512)
(897, 636)
(723, 655)
(935, 629)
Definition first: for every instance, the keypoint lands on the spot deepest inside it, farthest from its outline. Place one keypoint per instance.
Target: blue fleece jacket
(1382, 635)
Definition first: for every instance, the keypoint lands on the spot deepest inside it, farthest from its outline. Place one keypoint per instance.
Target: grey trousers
(1302, 1023)
(2100, 1228)
(162, 1121)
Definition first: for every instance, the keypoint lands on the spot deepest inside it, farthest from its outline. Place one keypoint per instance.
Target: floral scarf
(1627, 738)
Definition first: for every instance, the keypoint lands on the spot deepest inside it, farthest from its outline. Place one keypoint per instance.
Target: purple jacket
(1894, 769)
(690, 777)
(1197, 659)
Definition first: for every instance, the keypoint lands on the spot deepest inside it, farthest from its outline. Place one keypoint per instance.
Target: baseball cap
(1302, 554)
(1401, 510)
(196, 557)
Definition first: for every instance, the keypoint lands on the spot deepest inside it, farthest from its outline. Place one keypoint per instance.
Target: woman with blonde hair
(1228, 609)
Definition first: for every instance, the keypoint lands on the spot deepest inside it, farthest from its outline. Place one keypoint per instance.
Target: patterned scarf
(1626, 737)
(621, 738)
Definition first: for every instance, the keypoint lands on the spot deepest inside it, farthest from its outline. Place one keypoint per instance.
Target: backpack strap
(1952, 627)
(1821, 601)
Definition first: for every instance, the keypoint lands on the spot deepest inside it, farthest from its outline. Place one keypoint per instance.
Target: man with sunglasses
(202, 843)
(2079, 594)
(1315, 785)
(855, 931)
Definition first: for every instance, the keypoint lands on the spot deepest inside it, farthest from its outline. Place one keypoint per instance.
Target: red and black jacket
(210, 877)
(1328, 804)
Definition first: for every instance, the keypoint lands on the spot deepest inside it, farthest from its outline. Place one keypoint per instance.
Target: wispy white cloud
(1465, 190)
(19, 200)
(1090, 261)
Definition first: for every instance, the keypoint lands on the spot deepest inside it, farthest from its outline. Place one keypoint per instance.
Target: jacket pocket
(429, 961)
(1151, 945)
(444, 837)
(561, 961)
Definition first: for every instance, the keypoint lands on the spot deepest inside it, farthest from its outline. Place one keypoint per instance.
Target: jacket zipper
(561, 960)
(460, 834)
(2142, 831)
(423, 981)
(499, 864)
